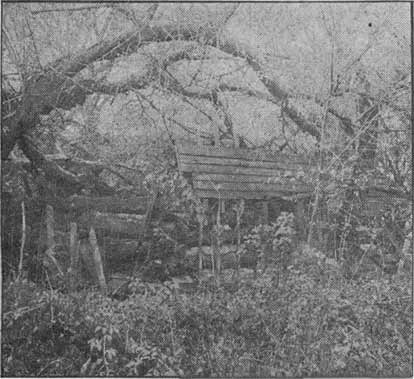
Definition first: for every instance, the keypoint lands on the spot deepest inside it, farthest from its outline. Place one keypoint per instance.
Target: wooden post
(300, 217)
(239, 208)
(50, 238)
(74, 255)
(223, 206)
(97, 260)
(200, 243)
(50, 231)
(23, 241)
(218, 244)
(198, 136)
(265, 211)
(201, 218)
(217, 136)
(236, 140)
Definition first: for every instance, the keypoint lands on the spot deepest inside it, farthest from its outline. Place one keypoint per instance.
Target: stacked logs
(92, 231)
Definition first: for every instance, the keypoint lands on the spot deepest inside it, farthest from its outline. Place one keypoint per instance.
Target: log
(119, 249)
(111, 204)
(228, 257)
(116, 224)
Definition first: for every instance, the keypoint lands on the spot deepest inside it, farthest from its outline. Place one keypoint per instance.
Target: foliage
(272, 243)
(331, 314)
(315, 323)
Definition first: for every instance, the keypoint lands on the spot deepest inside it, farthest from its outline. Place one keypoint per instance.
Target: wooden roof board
(237, 178)
(228, 173)
(196, 161)
(236, 153)
(228, 195)
(228, 170)
(255, 187)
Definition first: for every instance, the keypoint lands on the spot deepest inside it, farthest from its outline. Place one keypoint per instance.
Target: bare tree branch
(54, 89)
(73, 9)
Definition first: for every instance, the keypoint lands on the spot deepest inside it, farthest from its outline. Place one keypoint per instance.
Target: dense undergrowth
(312, 322)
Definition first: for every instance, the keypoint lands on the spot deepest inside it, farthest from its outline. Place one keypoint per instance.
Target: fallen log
(228, 257)
(119, 249)
(115, 224)
(111, 204)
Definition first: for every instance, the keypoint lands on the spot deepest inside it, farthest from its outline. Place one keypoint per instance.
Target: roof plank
(229, 173)
(230, 170)
(255, 187)
(237, 153)
(235, 162)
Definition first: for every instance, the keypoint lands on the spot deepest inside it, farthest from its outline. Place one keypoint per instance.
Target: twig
(23, 241)
(65, 9)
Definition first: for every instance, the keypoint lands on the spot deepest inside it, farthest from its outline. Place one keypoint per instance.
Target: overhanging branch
(55, 88)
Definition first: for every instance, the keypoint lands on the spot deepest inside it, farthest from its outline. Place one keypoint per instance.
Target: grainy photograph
(206, 189)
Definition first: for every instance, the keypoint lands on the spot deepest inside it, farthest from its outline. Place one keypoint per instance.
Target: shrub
(314, 323)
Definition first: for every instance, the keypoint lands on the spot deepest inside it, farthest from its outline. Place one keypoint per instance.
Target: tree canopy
(143, 64)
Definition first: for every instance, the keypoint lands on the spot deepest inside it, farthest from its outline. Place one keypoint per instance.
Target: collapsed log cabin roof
(235, 173)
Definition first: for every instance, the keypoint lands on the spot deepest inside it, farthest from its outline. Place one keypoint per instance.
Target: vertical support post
(266, 211)
(50, 238)
(222, 206)
(50, 231)
(74, 255)
(239, 208)
(97, 260)
(22, 241)
(198, 136)
(216, 250)
(236, 140)
(200, 243)
(219, 228)
(201, 218)
(300, 216)
(217, 136)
